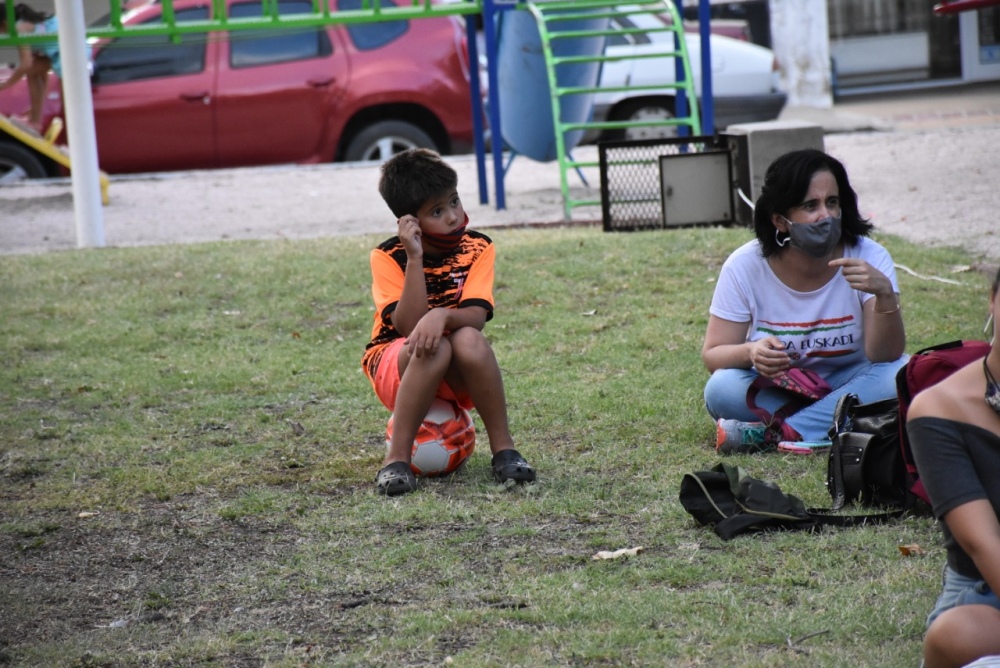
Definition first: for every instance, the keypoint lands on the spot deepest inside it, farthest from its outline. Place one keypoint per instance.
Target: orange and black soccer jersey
(460, 278)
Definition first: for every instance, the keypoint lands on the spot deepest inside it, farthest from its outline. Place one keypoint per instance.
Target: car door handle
(321, 83)
(202, 97)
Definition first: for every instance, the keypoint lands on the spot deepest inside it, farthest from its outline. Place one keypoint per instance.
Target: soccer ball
(444, 441)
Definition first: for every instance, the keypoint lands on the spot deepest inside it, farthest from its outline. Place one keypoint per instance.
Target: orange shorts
(386, 381)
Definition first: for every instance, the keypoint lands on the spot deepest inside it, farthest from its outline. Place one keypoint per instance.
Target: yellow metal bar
(46, 145)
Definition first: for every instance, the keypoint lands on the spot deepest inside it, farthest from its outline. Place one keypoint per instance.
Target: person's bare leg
(38, 82)
(961, 635)
(419, 380)
(475, 370)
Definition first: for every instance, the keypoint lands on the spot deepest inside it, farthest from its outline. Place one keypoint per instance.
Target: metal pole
(477, 106)
(707, 94)
(78, 106)
(680, 100)
(496, 135)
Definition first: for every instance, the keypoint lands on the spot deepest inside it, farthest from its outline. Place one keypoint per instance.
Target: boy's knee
(465, 337)
(471, 346)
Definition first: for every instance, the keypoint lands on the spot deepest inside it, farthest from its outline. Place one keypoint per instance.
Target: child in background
(35, 60)
(433, 289)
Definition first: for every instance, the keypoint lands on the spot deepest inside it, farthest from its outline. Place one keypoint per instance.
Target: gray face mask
(816, 239)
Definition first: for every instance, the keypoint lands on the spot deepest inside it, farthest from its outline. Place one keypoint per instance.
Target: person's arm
(885, 336)
(726, 347)
(977, 530)
(412, 305)
(25, 60)
(430, 329)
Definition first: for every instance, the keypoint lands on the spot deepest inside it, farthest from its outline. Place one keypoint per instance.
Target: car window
(255, 47)
(152, 56)
(368, 36)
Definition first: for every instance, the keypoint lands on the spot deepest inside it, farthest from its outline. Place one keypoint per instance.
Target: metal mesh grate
(631, 197)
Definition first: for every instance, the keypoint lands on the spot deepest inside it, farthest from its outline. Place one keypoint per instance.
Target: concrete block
(754, 146)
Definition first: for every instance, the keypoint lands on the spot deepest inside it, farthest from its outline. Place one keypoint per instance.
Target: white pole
(78, 106)
(800, 38)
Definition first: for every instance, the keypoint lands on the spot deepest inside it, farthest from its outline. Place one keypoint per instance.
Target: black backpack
(733, 503)
(925, 368)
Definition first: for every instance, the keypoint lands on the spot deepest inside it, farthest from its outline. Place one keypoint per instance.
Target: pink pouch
(806, 384)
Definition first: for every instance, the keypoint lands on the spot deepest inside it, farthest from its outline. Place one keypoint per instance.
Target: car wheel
(381, 140)
(18, 163)
(644, 110)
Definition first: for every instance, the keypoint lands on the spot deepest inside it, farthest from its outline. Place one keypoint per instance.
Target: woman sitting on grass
(811, 291)
(954, 430)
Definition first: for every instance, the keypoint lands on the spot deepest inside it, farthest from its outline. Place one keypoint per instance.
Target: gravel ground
(923, 170)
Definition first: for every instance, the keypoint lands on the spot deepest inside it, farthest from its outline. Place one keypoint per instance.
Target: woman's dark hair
(785, 186)
(22, 12)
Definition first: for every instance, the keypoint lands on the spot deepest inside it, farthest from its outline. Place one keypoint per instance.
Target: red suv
(255, 97)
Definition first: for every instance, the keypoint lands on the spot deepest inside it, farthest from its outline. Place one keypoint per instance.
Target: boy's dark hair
(412, 177)
(786, 183)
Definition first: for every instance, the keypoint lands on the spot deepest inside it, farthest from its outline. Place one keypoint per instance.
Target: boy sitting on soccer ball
(433, 291)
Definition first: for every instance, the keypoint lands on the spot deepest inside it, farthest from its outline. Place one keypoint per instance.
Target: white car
(745, 78)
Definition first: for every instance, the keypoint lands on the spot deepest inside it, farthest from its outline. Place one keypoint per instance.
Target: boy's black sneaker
(510, 465)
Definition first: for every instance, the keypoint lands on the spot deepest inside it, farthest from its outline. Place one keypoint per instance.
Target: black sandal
(510, 465)
(396, 478)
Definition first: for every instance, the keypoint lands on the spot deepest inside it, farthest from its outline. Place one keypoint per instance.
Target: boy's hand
(409, 235)
(426, 336)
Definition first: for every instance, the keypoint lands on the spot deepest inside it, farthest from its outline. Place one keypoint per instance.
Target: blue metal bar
(707, 94)
(477, 107)
(496, 135)
(680, 100)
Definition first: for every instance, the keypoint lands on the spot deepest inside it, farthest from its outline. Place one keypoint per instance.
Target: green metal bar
(609, 33)
(621, 125)
(550, 70)
(605, 59)
(579, 90)
(549, 12)
(375, 12)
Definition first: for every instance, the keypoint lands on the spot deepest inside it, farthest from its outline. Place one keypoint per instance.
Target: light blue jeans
(961, 590)
(726, 395)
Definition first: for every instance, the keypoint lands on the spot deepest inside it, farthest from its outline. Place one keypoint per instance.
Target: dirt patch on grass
(177, 584)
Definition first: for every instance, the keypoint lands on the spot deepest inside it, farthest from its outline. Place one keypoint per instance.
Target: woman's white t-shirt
(821, 329)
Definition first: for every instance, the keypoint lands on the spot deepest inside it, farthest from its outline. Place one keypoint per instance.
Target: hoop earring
(777, 240)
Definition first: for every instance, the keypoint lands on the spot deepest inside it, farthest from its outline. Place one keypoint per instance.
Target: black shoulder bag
(865, 463)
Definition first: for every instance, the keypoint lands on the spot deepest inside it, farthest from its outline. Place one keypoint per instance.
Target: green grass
(157, 508)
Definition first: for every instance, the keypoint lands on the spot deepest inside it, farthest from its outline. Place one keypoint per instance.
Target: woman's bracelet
(892, 310)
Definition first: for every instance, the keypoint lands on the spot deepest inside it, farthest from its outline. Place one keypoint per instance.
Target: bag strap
(821, 516)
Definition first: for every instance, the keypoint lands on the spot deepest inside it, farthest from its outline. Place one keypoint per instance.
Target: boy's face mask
(449, 241)
(816, 239)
